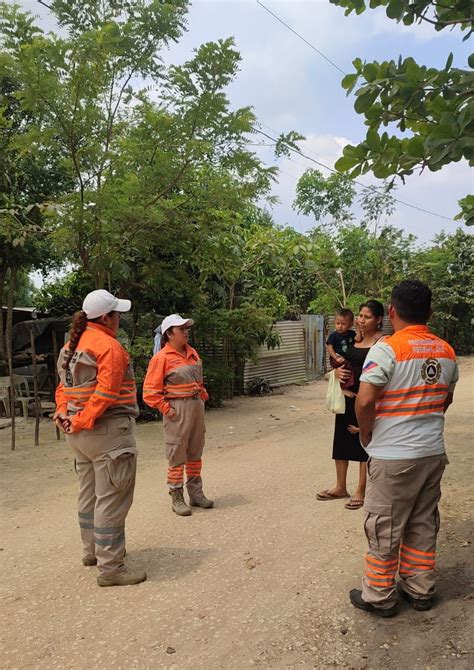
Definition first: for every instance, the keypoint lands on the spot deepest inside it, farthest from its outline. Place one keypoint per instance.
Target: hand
(342, 374)
(353, 430)
(365, 438)
(340, 359)
(171, 414)
(62, 421)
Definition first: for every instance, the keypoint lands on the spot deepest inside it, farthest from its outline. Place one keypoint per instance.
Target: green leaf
(396, 9)
(470, 60)
(449, 62)
(370, 72)
(364, 102)
(349, 82)
(373, 140)
(345, 163)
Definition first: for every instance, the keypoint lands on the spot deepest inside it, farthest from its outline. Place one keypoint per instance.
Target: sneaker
(178, 505)
(124, 578)
(201, 501)
(356, 599)
(418, 604)
(89, 561)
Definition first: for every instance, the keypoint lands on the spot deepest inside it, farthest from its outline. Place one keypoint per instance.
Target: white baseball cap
(100, 302)
(175, 320)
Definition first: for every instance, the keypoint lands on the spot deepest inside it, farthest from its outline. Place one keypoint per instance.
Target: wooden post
(56, 376)
(35, 387)
(9, 338)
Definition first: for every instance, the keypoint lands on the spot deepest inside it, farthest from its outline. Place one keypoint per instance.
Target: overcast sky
(290, 87)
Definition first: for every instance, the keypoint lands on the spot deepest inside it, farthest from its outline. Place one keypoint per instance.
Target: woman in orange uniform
(174, 385)
(96, 406)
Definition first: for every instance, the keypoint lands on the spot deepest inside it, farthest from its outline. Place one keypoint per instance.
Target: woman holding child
(346, 445)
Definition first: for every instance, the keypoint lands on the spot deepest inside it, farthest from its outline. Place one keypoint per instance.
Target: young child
(340, 340)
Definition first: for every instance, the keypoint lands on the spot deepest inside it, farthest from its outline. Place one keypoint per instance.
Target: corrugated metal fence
(299, 358)
(284, 365)
(302, 353)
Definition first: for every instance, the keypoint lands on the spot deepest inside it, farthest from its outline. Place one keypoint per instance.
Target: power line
(363, 186)
(318, 51)
(326, 58)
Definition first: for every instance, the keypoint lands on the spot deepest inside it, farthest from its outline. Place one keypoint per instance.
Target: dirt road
(259, 581)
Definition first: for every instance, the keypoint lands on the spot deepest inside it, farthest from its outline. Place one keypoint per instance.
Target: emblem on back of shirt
(431, 371)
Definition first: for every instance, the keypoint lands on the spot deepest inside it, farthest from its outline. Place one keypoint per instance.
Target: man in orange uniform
(407, 384)
(174, 385)
(96, 407)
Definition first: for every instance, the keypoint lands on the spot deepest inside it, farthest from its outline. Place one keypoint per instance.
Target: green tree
(324, 196)
(448, 267)
(432, 109)
(79, 86)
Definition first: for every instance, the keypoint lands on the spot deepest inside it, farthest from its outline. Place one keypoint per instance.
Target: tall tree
(432, 109)
(80, 84)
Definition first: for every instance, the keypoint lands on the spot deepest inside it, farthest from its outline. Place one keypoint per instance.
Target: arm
(376, 373)
(365, 410)
(111, 367)
(154, 385)
(448, 401)
(452, 386)
(61, 400)
(332, 353)
(203, 394)
(60, 416)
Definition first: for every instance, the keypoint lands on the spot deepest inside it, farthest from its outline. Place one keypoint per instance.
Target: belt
(187, 397)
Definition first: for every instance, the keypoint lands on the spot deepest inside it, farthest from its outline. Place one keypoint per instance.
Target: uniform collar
(417, 328)
(103, 329)
(171, 350)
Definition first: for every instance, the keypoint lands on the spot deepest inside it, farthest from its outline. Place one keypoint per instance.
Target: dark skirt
(346, 447)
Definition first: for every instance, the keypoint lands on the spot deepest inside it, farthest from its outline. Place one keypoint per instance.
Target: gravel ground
(259, 581)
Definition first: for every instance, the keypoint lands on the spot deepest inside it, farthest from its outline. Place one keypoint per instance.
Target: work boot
(356, 599)
(178, 505)
(418, 604)
(200, 500)
(124, 578)
(89, 561)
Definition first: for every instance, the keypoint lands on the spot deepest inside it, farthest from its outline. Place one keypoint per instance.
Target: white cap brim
(175, 323)
(123, 305)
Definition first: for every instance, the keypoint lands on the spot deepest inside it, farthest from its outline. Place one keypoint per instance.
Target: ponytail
(79, 324)
(165, 337)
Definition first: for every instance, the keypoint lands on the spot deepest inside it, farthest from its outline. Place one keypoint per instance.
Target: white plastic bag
(335, 399)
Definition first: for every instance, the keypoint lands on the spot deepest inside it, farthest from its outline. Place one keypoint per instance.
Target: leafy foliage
(432, 109)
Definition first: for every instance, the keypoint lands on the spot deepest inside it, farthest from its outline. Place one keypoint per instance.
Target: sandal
(354, 504)
(327, 495)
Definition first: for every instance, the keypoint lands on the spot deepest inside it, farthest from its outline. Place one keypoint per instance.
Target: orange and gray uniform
(417, 371)
(98, 394)
(175, 380)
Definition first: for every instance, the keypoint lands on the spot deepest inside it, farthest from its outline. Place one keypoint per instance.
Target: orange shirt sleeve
(111, 367)
(154, 384)
(60, 398)
(203, 394)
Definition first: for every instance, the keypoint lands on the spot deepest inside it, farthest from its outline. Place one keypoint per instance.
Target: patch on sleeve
(370, 365)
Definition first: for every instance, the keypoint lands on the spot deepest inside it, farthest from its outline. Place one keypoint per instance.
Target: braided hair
(79, 324)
